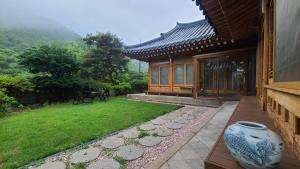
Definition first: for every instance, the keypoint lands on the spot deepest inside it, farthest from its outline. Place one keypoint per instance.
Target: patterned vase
(253, 145)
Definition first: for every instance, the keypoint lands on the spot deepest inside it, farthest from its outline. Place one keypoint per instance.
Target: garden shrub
(12, 88)
(93, 85)
(19, 83)
(139, 85)
(6, 102)
(122, 88)
(67, 88)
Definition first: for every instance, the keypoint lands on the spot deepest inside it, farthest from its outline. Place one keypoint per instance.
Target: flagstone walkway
(141, 146)
(193, 154)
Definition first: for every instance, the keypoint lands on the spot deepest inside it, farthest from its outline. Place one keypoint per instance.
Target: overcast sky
(131, 20)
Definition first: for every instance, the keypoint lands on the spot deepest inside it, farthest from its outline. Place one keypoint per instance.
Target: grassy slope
(34, 134)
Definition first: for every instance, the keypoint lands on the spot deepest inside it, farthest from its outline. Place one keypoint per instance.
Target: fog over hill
(134, 21)
(20, 32)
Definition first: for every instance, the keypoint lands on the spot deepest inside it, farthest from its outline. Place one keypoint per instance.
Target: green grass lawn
(34, 134)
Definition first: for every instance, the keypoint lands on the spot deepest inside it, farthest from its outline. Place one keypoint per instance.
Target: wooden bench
(250, 110)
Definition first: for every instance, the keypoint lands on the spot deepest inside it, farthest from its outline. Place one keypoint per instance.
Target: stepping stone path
(104, 164)
(53, 165)
(130, 152)
(189, 117)
(164, 132)
(181, 120)
(147, 127)
(117, 144)
(192, 114)
(150, 141)
(85, 155)
(159, 121)
(112, 143)
(174, 126)
(202, 110)
(181, 112)
(132, 133)
(170, 117)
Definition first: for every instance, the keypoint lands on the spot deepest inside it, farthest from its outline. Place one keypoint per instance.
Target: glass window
(154, 75)
(179, 74)
(208, 75)
(189, 73)
(164, 78)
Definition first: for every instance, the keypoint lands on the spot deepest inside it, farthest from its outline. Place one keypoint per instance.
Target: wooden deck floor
(248, 109)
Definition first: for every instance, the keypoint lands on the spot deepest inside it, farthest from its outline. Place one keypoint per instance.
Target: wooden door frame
(236, 52)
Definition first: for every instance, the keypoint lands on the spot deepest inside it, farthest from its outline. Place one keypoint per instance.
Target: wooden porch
(250, 110)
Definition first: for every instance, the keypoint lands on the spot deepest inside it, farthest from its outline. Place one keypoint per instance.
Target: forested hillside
(17, 35)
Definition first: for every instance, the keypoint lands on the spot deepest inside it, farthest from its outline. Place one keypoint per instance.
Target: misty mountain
(19, 33)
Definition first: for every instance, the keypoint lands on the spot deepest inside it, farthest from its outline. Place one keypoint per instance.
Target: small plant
(143, 133)
(121, 161)
(108, 152)
(155, 134)
(130, 141)
(80, 166)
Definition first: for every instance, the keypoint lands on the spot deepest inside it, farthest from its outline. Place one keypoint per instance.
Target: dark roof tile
(182, 33)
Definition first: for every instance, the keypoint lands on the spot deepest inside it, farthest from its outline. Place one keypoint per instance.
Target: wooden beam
(171, 72)
(195, 78)
(235, 52)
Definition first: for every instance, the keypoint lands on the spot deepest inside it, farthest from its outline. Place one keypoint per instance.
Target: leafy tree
(78, 48)
(105, 61)
(50, 60)
(9, 62)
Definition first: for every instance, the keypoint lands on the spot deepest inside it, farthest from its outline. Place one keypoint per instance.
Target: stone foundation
(210, 102)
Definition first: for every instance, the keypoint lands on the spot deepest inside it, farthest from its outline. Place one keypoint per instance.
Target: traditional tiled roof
(181, 34)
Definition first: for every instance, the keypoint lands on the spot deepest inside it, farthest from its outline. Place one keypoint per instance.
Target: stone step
(209, 102)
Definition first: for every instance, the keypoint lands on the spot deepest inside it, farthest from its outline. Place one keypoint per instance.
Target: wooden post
(149, 77)
(218, 74)
(171, 72)
(246, 67)
(202, 75)
(225, 77)
(265, 76)
(195, 87)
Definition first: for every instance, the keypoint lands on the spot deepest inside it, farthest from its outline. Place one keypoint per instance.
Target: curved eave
(178, 49)
(209, 20)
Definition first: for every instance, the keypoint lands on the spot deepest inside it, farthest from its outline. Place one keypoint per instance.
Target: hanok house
(243, 48)
(186, 61)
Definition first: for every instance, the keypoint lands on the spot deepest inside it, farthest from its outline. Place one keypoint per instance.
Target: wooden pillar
(171, 73)
(218, 76)
(196, 82)
(202, 75)
(149, 77)
(246, 67)
(225, 76)
(265, 49)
